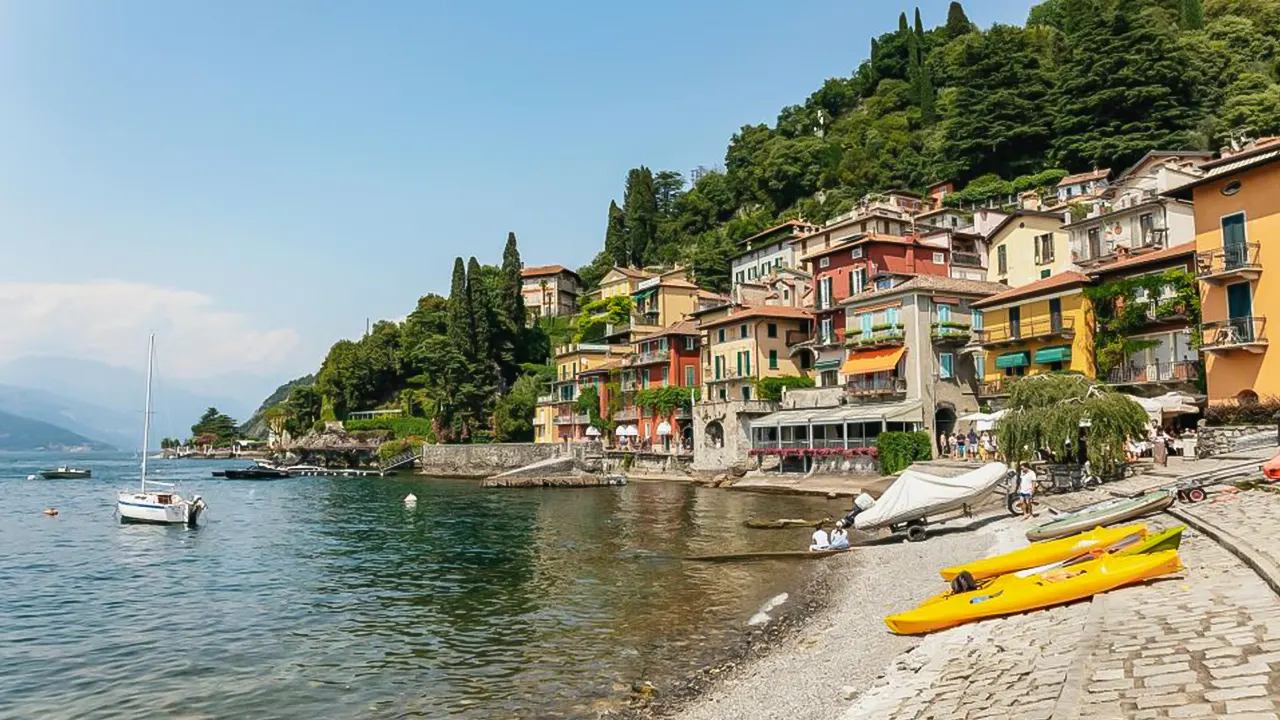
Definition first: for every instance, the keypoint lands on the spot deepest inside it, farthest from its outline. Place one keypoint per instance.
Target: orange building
(669, 358)
(1237, 207)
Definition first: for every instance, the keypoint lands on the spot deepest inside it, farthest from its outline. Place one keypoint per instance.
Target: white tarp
(983, 421)
(915, 494)
(1173, 403)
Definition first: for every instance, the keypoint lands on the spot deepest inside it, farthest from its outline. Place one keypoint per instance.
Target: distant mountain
(120, 390)
(256, 426)
(19, 433)
(92, 421)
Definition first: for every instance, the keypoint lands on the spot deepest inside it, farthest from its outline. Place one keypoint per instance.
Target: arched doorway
(944, 421)
(686, 437)
(715, 434)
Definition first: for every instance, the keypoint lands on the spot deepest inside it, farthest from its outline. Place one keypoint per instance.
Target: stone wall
(481, 461)
(641, 463)
(716, 454)
(1222, 439)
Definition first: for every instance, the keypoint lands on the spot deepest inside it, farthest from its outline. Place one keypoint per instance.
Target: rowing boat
(1108, 512)
(781, 555)
(784, 523)
(1054, 587)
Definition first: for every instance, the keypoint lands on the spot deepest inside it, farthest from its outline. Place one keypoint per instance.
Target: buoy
(31, 477)
(410, 500)
(50, 512)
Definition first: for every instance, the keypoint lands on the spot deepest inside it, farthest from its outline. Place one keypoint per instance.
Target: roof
(1225, 167)
(1085, 177)
(633, 272)
(1060, 217)
(1059, 281)
(793, 224)
(1203, 154)
(677, 283)
(604, 367)
(762, 311)
(932, 283)
(709, 295)
(864, 238)
(904, 193)
(543, 270)
(685, 327)
(907, 410)
(1186, 249)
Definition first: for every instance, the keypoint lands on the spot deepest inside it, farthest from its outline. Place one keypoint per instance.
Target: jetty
(553, 472)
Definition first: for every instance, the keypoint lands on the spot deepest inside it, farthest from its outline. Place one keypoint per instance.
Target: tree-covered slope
(1083, 84)
(256, 426)
(20, 433)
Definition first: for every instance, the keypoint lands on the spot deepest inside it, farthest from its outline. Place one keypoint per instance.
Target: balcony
(967, 259)
(546, 399)
(877, 388)
(1229, 264)
(881, 336)
(1248, 334)
(627, 415)
(795, 337)
(995, 388)
(1173, 373)
(650, 358)
(684, 414)
(726, 375)
(1014, 333)
(951, 333)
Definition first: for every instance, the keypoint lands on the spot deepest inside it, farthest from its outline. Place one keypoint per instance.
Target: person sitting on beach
(820, 541)
(839, 537)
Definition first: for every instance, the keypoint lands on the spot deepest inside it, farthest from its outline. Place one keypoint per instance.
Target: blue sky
(277, 171)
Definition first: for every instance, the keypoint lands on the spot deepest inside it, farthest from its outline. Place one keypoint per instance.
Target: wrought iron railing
(1157, 372)
(1235, 332)
(860, 387)
(1228, 259)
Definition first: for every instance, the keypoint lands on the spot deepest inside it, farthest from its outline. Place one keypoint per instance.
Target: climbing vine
(1119, 314)
(665, 400)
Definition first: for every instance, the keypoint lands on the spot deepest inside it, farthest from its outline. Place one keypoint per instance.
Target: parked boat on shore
(66, 473)
(1107, 512)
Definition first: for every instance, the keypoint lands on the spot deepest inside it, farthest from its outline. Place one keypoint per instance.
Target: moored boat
(1055, 587)
(66, 473)
(1043, 553)
(257, 471)
(1107, 512)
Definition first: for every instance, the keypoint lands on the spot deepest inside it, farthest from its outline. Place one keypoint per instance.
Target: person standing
(1026, 489)
(972, 443)
(960, 446)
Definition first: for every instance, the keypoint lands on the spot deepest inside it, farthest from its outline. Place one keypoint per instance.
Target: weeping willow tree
(1052, 412)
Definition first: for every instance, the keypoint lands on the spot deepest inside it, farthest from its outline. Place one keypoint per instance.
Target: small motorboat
(1054, 587)
(1107, 512)
(66, 473)
(257, 471)
(916, 496)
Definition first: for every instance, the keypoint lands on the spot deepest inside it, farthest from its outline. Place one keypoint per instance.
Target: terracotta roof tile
(939, 283)
(541, 270)
(1085, 177)
(1186, 249)
(1049, 284)
(775, 311)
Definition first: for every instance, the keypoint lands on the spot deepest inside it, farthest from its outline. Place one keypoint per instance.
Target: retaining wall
(482, 461)
(1223, 439)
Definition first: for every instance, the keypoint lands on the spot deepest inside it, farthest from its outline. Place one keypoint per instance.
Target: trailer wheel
(1012, 502)
(916, 532)
(1196, 495)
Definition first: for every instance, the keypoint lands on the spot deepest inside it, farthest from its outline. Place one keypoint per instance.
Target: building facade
(550, 290)
(670, 358)
(743, 345)
(566, 423)
(1237, 212)
(767, 250)
(1028, 245)
(1041, 327)
(1082, 186)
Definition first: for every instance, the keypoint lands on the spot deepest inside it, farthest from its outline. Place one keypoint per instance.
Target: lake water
(326, 597)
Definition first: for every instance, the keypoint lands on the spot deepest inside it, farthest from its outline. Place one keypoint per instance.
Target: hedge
(897, 450)
(401, 427)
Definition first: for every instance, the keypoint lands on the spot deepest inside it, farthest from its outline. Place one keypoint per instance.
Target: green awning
(1013, 360)
(826, 365)
(1060, 354)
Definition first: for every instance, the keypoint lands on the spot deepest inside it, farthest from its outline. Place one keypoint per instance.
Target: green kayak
(1107, 512)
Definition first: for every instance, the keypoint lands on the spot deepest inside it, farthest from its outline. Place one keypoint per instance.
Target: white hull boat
(165, 507)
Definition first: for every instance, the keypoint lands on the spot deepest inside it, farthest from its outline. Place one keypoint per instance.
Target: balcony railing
(726, 375)
(877, 387)
(546, 399)
(1230, 263)
(880, 336)
(1026, 330)
(1182, 371)
(958, 333)
(968, 259)
(795, 337)
(649, 358)
(995, 388)
(1242, 333)
(684, 414)
(627, 415)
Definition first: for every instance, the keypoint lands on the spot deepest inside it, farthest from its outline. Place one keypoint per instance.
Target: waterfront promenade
(1201, 644)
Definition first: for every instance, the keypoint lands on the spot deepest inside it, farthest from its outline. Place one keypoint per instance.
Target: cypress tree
(459, 317)
(615, 236)
(919, 25)
(1192, 12)
(512, 284)
(640, 204)
(957, 22)
(917, 74)
(481, 314)
(903, 27)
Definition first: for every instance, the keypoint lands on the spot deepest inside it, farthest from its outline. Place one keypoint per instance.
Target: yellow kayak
(1045, 553)
(1054, 587)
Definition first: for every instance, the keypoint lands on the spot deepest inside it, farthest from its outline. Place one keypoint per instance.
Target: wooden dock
(336, 472)
(576, 481)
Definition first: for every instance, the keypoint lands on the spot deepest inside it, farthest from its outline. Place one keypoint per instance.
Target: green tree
(513, 414)
(668, 186)
(615, 241)
(1121, 90)
(482, 317)
(639, 204)
(216, 425)
(957, 22)
(461, 329)
(1191, 14)
(511, 302)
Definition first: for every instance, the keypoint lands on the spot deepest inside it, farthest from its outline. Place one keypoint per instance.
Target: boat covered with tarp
(916, 496)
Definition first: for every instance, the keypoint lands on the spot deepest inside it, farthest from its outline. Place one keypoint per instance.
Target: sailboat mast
(146, 413)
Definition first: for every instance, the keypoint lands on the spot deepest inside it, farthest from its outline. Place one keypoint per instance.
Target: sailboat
(164, 507)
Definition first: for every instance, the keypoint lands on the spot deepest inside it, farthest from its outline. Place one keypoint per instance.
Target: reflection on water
(318, 597)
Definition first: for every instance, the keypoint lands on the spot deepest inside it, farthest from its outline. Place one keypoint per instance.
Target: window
(719, 366)
(1095, 243)
(665, 373)
(1045, 273)
(739, 358)
(786, 294)
(1002, 259)
(1233, 241)
(955, 221)
(688, 376)
(857, 253)
(824, 262)
(773, 359)
(739, 277)
(746, 356)
(939, 258)
(724, 394)
(860, 279)
(944, 313)
(746, 392)
(980, 365)
(884, 283)
(826, 331)
(1044, 248)
(976, 319)
(691, 343)
(946, 366)
(742, 330)
(721, 334)
(772, 329)
(828, 378)
(865, 320)
(1147, 223)
(825, 293)
(891, 316)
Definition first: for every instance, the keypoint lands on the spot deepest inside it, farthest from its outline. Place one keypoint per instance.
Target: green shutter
(1012, 360)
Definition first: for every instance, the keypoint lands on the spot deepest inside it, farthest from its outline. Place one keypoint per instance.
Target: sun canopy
(889, 412)
(1061, 354)
(1012, 360)
(872, 361)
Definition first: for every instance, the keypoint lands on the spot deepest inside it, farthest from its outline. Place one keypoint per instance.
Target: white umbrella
(664, 428)
(593, 432)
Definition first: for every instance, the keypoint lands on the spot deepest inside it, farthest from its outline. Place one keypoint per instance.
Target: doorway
(1240, 311)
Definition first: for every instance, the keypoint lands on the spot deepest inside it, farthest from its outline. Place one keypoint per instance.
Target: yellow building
(1027, 246)
(1041, 327)
(555, 419)
(1237, 206)
(619, 281)
(544, 414)
(746, 344)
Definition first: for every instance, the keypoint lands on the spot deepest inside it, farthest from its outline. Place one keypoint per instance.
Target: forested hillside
(1083, 84)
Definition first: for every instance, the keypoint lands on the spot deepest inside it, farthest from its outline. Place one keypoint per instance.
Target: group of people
(837, 540)
(1159, 442)
(971, 446)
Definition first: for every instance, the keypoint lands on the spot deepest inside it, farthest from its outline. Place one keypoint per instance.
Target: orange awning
(872, 361)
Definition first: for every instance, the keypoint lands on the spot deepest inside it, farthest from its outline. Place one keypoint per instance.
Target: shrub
(1234, 412)
(392, 448)
(770, 388)
(897, 450)
(400, 427)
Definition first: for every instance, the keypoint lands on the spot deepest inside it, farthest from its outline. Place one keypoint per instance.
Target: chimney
(1029, 200)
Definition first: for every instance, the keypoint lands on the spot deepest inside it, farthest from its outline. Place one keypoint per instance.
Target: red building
(670, 358)
(851, 267)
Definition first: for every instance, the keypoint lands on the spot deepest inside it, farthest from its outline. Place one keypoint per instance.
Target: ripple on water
(318, 597)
